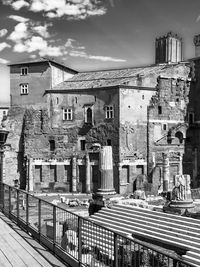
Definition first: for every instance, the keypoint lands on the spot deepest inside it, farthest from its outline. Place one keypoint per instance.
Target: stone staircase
(156, 228)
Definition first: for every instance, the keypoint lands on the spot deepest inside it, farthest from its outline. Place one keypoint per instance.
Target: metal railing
(77, 240)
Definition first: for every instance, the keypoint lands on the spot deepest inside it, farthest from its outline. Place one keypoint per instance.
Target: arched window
(179, 135)
(89, 115)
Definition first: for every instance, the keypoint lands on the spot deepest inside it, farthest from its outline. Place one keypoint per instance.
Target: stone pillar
(181, 164)
(87, 166)
(195, 169)
(106, 169)
(74, 189)
(165, 172)
(30, 173)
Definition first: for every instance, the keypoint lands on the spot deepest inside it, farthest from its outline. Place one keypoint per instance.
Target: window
(191, 117)
(82, 143)
(142, 96)
(88, 115)
(109, 112)
(179, 135)
(24, 71)
(4, 112)
(67, 114)
(52, 145)
(164, 127)
(109, 142)
(24, 89)
(159, 110)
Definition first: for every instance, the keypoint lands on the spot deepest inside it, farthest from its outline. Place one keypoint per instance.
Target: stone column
(106, 169)
(87, 166)
(30, 173)
(74, 189)
(165, 172)
(195, 169)
(181, 164)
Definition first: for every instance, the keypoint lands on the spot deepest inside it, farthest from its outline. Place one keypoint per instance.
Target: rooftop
(42, 60)
(105, 78)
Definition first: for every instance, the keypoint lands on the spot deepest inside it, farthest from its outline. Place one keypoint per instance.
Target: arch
(179, 135)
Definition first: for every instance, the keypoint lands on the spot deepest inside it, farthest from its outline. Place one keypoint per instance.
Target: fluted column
(181, 164)
(165, 172)
(74, 184)
(106, 168)
(87, 166)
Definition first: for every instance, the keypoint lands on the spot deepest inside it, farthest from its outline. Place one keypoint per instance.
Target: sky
(92, 34)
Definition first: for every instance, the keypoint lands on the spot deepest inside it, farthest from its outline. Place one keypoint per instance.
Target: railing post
(39, 218)
(27, 212)
(175, 263)
(9, 201)
(17, 206)
(80, 240)
(54, 228)
(2, 195)
(115, 251)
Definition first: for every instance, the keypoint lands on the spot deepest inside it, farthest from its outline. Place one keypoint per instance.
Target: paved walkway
(18, 249)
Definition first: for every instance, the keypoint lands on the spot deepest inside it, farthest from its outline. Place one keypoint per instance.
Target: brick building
(29, 80)
(141, 112)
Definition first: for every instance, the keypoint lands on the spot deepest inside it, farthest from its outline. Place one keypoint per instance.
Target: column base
(106, 192)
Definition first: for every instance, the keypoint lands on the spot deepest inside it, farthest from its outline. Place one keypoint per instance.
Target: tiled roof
(96, 79)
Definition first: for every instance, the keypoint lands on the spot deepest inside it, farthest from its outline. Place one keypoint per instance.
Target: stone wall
(14, 149)
(167, 127)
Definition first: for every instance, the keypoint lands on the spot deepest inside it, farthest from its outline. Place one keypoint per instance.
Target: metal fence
(77, 240)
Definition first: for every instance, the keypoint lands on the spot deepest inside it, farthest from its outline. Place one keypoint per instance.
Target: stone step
(153, 234)
(162, 225)
(165, 217)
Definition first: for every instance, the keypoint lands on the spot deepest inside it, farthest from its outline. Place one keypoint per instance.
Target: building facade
(29, 80)
(146, 114)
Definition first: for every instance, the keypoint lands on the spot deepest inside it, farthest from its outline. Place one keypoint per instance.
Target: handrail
(78, 240)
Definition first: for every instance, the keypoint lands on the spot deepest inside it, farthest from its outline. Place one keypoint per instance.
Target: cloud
(26, 29)
(69, 43)
(198, 19)
(3, 32)
(3, 61)
(17, 5)
(4, 45)
(18, 18)
(72, 9)
(38, 44)
(103, 58)
(42, 30)
(20, 32)
(82, 54)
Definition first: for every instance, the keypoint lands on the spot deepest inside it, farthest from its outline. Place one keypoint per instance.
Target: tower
(169, 49)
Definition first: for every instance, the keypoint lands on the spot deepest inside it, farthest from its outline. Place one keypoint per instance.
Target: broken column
(106, 169)
(181, 200)
(165, 172)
